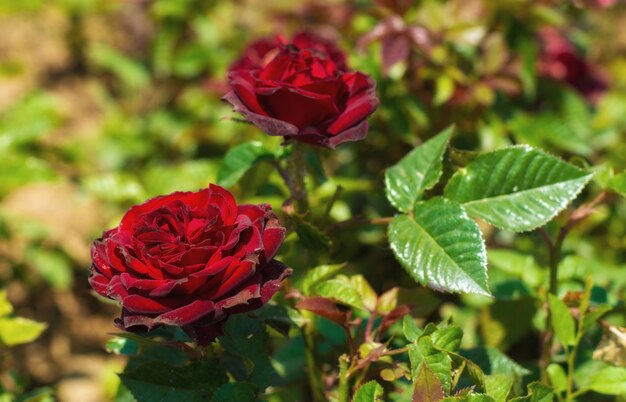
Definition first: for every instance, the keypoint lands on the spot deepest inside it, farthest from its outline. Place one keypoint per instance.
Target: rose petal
(269, 125)
(298, 107)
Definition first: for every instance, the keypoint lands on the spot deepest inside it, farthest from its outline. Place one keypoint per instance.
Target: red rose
(560, 61)
(189, 259)
(260, 52)
(302, 94)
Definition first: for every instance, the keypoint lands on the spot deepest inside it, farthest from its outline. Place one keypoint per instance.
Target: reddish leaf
(393, 316)
(325, 308)
(427, 386)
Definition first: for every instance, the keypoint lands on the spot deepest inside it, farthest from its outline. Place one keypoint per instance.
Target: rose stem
(296, 167)
(313, 372)
(555, 249)
(343, 378)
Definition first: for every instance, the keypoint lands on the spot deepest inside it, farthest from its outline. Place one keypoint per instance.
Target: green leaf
(318, 274)
(609, 381)
(122, 346)
(558, 377)
(280, 317)
(5, 305)
(239, 160)
(368, 295)
(492, 361)
(310, 236)
(448, 338)
(441, 247)
(498, 386)
(562, 321)
(470, 398)
(473, 369)
(595, 314)
(340, 291)
(546, 130)
(236, 391)
(444, 89)
(427, 386)
(368, 392)
(245, 343)
(388, 301)
(419, 170)
(159, 381)
(517, 188)
(537, 392)
(617, 183)
(410, 328)
(18, 330)
(423, 352)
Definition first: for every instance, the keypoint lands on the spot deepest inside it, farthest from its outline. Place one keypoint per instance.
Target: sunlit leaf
(318, 274)
(419, 170)
(498, 386)
(609, 381)
(341, 291)
(368, 392)
(239, 160)
(439, 363)
(441, 247)
(562, 321)
(517, 188)
(5, 306)
(558, 377)
(427, 386)
(18, 330)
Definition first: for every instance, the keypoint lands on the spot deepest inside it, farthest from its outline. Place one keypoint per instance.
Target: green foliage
(609, 381)
(16, 330)
(117, 103)
(406, 181)
(562, 321)
(239, 160)
(236, 391)
(195, 381)
(516, 188)
(440, 246)
(368, 392)
(317, 275)
(245, 351)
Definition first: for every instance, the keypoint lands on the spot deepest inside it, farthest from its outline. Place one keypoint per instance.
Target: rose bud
(260, 52)
(560, 61)
(303, 95)
(189, 259)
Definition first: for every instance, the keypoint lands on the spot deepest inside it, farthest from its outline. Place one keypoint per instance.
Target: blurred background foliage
(104, 104)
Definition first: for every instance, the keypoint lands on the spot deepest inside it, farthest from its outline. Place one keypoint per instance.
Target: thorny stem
(296, 169)
(555, 249)
(570, 395)
(313, 372)
(369, 326)
(343, 378)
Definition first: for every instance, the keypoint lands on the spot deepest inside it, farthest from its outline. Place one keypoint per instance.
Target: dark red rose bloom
(189, 259)
(560, 61)
(261, 52)
(302, 95)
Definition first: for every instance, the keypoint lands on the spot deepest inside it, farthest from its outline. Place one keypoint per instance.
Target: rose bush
(302, 93)
(189, 259)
